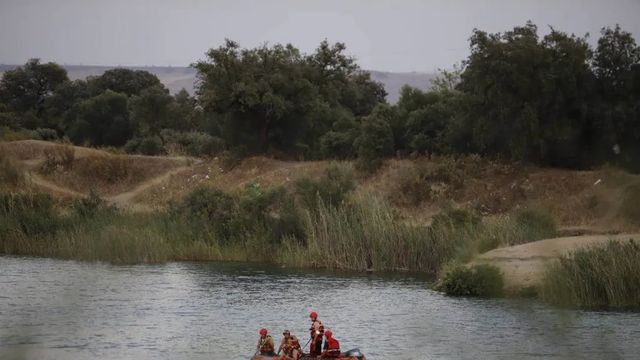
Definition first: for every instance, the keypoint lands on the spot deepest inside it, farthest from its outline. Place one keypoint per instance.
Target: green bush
(476, 280)
(92, 206)
(213, 205)
(149, 145)
(46, 134)
(596, 277)
(331, 188)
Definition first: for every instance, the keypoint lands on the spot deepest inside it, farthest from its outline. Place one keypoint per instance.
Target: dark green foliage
(528, 98)
(148, 145)
(46, 134)
(92, 205)
(27, 87)
(102, 120)
(331, 189)
(596, 277)
(213, 205)
(477, 280)
(124, 81)
(268, 213)
(376, 138)
(152, 110)
(275, 98)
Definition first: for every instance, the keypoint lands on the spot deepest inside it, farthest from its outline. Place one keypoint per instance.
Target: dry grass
(11, 171)
(111, 174)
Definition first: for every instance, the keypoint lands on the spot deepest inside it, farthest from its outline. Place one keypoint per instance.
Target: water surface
(54, 309)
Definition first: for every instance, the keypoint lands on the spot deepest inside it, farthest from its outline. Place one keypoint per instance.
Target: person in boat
(290, 347)
(331, 346)
(316, 331)
(265, 344)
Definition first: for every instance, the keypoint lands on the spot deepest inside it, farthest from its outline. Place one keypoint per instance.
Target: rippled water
(52, 309)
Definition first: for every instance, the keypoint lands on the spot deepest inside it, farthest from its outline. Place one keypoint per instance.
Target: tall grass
(596, 277)
(365, 234)
(31, 224)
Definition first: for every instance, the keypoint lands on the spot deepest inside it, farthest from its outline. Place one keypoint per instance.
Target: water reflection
(64, 309)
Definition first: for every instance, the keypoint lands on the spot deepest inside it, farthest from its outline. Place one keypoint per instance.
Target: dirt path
(39, 181)
(523, 265)
(125, 199)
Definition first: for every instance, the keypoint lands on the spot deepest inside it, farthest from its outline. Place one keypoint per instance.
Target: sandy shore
(523, 265)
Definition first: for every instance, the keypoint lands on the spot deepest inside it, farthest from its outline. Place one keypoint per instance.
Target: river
(55, 309)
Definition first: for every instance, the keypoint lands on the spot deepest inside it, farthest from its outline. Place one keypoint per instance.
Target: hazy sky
(401, 35)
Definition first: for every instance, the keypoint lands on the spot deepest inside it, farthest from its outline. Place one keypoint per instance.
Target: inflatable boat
(353, 354)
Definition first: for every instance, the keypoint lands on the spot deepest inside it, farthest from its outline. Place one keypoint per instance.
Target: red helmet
(328, 333)
(313, 315)
(263, 331)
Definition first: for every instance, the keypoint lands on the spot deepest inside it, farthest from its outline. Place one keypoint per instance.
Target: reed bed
(596, 277)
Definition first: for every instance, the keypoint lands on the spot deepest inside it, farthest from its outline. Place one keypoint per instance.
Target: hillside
(177, 78)
(418, 188)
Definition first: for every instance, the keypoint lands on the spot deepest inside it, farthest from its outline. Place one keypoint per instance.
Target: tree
(102, 120)
(26, 88)
(125, 81)
(617, 64)
(528, 99)
(152, 110)
(62, 106)
(376, 138)
(276, 98)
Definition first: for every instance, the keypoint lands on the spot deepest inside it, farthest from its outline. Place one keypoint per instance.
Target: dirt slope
(579, 200)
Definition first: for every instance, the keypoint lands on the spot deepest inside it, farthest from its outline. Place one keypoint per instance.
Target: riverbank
(411, 215)
(523, 266)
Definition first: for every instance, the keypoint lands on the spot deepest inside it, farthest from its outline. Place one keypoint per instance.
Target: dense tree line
(551, 100)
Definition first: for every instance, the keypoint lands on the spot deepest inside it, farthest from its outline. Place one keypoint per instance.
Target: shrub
(148, 145)
(91, 206)
(58, 157)
(331, 188)
(476, 280)
(107, 167)
(213, 205)
(338, 144)
(233, 157)
(595, 277)
(46, 134)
